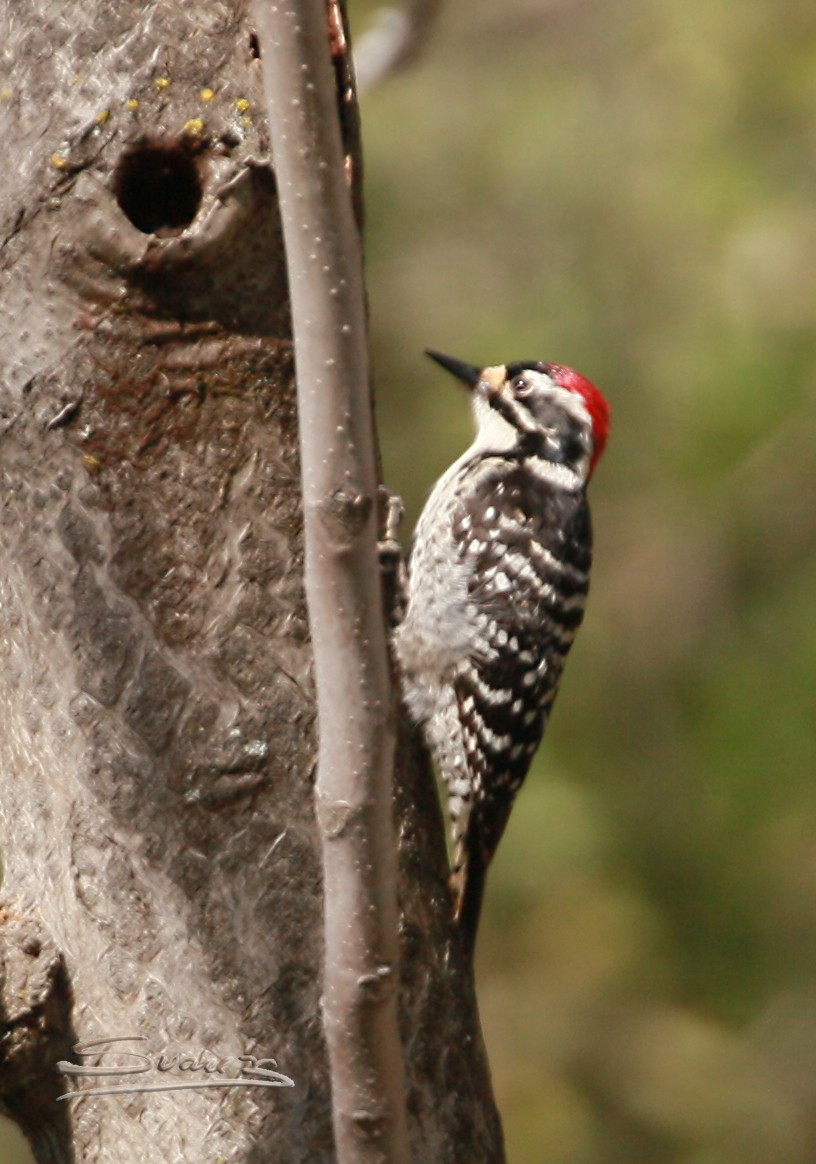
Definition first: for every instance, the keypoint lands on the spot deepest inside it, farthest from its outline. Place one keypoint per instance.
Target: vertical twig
(395, 39)
(354, 799)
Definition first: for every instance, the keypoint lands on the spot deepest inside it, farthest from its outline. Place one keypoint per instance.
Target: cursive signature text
(209, 1070)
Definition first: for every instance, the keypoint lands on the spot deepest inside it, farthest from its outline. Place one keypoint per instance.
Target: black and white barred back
(498, 578)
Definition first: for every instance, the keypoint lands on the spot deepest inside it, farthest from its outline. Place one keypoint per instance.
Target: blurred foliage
(14, 1147)
(630, 188)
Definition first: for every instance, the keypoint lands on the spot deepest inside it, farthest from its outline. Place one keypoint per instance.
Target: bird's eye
(522, 387)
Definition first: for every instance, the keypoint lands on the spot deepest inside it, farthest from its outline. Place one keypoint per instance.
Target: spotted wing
(529, 546)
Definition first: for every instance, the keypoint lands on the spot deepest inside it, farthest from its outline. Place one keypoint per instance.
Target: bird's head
(550, 409)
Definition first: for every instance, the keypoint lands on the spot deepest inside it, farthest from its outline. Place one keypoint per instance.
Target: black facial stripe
(518, 414)
(514, 413)
(514, 370)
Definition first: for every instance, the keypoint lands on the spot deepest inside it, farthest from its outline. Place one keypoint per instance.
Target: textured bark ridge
(161, 869)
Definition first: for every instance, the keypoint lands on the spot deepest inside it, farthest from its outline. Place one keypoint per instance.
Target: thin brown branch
(395, 40)
(354, 795)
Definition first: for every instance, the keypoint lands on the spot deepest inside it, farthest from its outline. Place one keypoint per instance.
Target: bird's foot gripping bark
(392, 560)
(393, 510)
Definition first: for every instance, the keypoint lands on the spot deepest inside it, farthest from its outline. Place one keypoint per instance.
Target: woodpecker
(496, 585)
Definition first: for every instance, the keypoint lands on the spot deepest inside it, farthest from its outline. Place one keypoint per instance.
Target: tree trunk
(161, 861)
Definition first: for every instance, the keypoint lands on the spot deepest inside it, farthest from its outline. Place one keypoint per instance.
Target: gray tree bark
(161, 859)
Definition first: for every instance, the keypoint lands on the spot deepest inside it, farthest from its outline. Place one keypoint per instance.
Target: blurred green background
(630, 188)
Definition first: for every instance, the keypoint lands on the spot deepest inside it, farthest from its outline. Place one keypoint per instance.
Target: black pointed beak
(467, 373)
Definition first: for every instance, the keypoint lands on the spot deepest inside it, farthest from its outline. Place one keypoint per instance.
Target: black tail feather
(468, 886)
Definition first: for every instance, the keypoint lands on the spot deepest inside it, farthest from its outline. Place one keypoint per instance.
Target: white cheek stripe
(560, 476)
